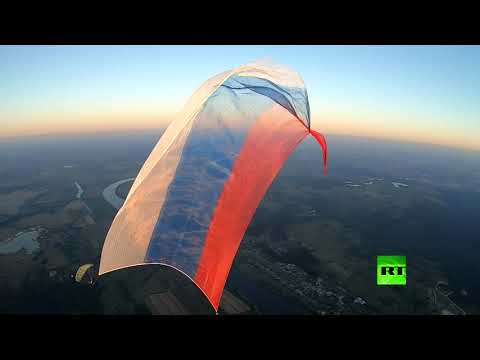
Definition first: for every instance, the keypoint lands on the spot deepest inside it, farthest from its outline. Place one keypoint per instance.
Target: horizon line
(10, 138)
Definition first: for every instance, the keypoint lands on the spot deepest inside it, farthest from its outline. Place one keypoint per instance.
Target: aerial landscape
(310, 249)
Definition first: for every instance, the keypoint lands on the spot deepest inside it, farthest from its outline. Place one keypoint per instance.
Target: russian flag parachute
(194, 197)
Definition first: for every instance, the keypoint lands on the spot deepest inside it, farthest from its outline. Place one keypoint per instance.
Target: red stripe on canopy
(268, 145)
(323, 143)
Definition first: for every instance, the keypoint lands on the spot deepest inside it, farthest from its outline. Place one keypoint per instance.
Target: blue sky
(423, 93)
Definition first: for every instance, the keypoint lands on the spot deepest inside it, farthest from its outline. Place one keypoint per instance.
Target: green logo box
(392, 270)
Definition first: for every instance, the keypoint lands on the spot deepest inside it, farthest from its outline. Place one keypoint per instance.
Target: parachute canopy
(82, 273)
(195, 195)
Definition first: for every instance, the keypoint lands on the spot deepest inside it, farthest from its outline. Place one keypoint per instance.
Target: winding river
(110, 194)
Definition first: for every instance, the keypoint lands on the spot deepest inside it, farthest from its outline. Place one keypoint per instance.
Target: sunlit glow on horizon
(335, 125)
(420, 94)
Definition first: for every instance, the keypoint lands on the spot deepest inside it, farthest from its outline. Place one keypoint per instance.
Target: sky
(427, 94)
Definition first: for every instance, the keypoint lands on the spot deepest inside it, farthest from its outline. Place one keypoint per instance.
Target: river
(110, 194)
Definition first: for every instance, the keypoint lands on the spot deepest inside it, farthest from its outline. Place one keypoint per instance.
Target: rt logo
(391, 270)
